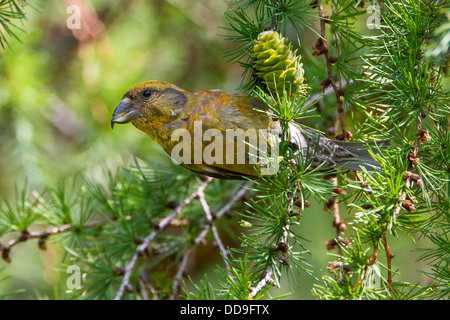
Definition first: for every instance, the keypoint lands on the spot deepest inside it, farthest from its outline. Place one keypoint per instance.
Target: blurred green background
(58, 88)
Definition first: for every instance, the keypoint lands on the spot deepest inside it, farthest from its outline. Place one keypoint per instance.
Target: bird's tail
(361, 157)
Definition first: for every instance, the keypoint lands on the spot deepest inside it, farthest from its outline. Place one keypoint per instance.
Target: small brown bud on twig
(156, 226)
(320, 47)
(414, 178)
(5, 255)
(330, 203)
(423, 135)
(333, 59)
(413, 159)
(413, 199)
(302, 204)
(282, 247)
(334, 265)
(283, 259)
(339, 191)
(342, 226)
(119, 271)
(331, 244)
(325, 84)
(42, 243)
(172, 204)
(408, 206)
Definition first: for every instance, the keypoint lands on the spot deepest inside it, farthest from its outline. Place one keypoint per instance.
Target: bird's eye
(147, 93)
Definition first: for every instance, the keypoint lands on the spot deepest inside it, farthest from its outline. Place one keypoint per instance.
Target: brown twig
(180, 273)
(337, 218)
(364, 184)
(238, 196)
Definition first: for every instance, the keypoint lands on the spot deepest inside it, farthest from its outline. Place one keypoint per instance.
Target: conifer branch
(200, 239)
(210, 222)
(265, 281)
(180, 273)
(389, 256)
(146, 241)
(11, 11)
(282, 247)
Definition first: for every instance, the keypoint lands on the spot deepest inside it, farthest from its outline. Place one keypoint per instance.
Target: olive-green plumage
(163, 110)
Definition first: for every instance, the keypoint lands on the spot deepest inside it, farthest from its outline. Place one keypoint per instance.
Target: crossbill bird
(214, 133)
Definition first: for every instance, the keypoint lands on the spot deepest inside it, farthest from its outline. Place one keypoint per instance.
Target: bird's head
(149, 104)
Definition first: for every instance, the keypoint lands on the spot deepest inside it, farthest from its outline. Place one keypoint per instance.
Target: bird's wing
(239, 124)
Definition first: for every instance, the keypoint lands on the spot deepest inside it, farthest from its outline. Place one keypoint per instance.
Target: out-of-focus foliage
(59, 86)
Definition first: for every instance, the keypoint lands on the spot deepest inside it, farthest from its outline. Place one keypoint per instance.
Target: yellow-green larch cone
(276, 63)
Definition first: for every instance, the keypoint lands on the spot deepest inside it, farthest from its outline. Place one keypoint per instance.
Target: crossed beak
(125, 112)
